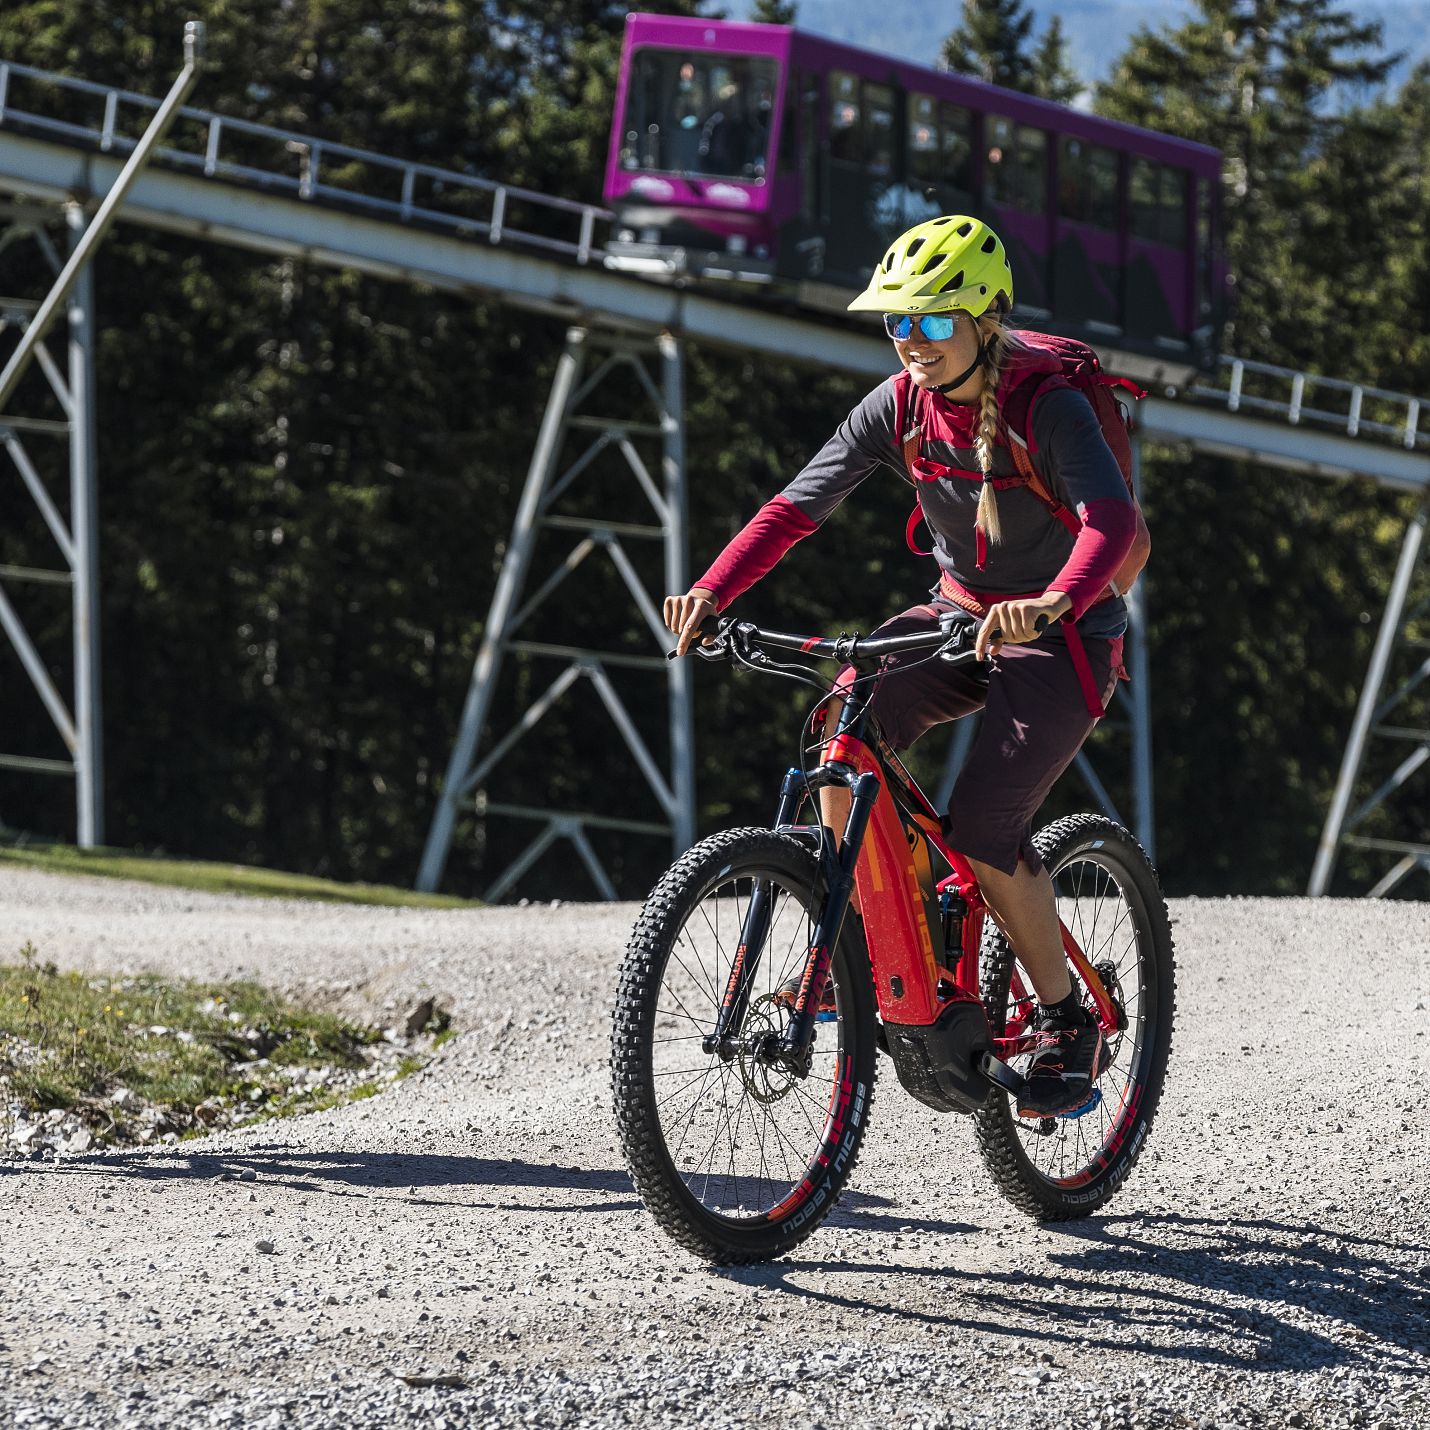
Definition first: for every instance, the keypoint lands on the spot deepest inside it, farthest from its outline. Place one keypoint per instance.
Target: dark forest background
(308, 477)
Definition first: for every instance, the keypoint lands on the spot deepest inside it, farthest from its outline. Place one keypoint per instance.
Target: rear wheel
(1109, 898)
(738, 1160)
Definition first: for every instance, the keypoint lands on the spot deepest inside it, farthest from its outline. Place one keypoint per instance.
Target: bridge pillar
(546, 483)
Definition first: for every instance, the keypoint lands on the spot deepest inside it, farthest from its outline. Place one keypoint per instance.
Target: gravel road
(1267, 1265)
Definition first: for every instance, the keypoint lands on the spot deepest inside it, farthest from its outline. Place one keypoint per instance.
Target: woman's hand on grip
(1016, 622)
(684, 614)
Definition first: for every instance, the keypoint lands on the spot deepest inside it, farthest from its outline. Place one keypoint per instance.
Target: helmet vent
(939, 222)
(914, 247)
(964, 229)
(955, 282)
(888, 260)
(989, 244)
(933, 262)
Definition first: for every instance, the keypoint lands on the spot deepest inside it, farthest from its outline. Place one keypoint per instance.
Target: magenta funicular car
(757, 155)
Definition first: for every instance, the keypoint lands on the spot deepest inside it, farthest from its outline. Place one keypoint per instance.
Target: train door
(801, 250)
(1016, 187)
(1087, 255)
(940, 153)
(1158, 302)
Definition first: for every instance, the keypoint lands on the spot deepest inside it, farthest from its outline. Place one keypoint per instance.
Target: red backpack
(1038, 364)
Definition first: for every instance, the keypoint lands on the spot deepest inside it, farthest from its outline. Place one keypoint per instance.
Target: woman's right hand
(683, 615)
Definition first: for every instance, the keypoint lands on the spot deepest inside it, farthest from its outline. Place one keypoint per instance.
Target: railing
(300, 166)
(1326, 402)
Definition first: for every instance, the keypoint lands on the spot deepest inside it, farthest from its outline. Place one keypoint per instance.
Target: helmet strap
(968, 371)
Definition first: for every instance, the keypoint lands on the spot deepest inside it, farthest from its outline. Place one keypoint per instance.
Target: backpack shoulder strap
(909, 431)
(1023, 460)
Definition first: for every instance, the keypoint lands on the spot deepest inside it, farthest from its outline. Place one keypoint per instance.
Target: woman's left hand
(1017, 620)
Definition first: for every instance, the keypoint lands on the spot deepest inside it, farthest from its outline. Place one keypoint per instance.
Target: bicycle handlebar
(856, 650)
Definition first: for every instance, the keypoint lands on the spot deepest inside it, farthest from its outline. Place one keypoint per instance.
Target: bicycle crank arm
(1000, 1074)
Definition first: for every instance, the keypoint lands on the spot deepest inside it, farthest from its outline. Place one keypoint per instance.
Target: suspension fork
(838, 870)
(753, 932)
(798, 1038)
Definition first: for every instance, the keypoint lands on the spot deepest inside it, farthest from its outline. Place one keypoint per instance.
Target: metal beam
(1299, 448)
(84, 521)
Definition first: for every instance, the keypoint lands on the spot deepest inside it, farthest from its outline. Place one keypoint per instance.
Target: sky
(1097, 30)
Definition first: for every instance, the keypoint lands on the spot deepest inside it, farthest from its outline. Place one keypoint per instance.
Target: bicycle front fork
(794, 1046)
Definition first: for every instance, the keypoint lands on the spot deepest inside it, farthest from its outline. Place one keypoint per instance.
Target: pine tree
(1053, 76)
(992, 43)
(775, 12)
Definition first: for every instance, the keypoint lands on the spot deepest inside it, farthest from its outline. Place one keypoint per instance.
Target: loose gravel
(467, 1250)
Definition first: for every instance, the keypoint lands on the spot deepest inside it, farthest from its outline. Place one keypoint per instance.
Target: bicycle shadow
(406, 1177)
(1336, 1297)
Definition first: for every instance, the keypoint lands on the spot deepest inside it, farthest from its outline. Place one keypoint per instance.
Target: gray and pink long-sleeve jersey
(1036, 553)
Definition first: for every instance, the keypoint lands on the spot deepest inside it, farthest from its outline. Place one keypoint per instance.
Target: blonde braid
(994, 336)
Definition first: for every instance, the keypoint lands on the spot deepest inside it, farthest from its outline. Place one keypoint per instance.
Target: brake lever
(957, 647)
(716, 626)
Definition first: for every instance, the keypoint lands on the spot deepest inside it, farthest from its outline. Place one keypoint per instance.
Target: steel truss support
(77, 538)
(546, 482)
(1137, 701)
(1372, 721)
(72, 293)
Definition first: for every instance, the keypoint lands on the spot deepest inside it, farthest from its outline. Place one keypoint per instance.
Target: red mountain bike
(741, 1116)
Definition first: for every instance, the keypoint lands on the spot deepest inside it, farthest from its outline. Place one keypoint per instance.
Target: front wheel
(1109, 899)
(738, 1160)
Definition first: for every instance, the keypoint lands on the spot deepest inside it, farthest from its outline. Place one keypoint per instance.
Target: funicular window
(1017, 165)
(846, 133)
(879, 129)
(1158, 196)
(923, 139)
(699, 114)
(1087, 183)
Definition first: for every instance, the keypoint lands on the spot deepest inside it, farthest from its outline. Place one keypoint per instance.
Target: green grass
(218, 878)
(194, 1055)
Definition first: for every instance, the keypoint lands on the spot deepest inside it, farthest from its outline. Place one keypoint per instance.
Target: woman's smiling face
(933, 364)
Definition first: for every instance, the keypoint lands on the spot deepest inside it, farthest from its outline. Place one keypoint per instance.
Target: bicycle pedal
(1090, 1105)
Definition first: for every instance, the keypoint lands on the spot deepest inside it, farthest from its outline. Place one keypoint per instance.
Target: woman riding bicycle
(945, 288)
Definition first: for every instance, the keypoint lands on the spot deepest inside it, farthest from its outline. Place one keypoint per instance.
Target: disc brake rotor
(766, 1082)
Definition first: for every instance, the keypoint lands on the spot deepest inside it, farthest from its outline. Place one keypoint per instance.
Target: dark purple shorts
(1035, 719)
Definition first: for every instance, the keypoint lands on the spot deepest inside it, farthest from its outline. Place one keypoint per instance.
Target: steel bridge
(70, 149)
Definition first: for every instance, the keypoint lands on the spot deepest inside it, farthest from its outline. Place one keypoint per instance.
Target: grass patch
(218, 878)
(132, 1060)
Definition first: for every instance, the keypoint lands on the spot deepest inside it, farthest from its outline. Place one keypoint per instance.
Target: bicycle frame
(928, 996)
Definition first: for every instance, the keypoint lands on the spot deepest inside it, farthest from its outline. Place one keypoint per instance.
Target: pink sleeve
(755, 550)
(1108, 528)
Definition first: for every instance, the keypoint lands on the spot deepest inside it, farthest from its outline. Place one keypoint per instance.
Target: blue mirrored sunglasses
(936, 327)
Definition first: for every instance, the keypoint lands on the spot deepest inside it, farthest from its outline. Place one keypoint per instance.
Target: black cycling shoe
(1061, 1075)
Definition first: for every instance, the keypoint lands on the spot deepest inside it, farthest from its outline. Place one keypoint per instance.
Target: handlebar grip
(1040, 625)
(711, 626)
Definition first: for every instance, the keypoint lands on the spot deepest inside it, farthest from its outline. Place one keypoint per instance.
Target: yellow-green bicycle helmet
(951, 262)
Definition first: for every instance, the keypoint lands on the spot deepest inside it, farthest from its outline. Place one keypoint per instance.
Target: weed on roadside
(88, 1060)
